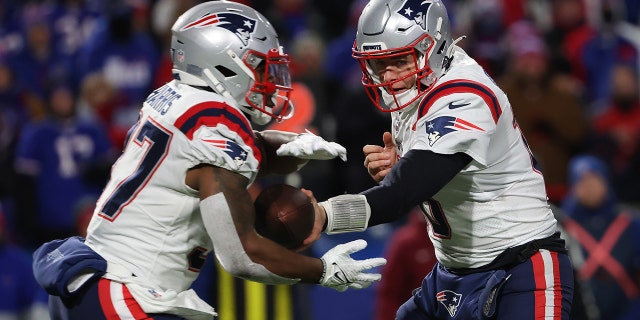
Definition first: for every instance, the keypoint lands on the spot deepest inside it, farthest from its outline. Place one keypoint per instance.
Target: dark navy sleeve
(417, 176)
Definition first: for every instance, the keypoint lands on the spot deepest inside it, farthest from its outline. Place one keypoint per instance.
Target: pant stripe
(548, 293)
(104, 291)
(117, 302)
(132, 304)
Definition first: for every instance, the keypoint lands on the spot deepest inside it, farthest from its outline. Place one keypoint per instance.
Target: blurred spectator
(484, 27)
(39, 60)
(617, 131)
(550, 117)
(163, 14)
(13, 114)
(608, 264)
(567, 35)
(292, 17)
(600, 55)
(307, 51)
(410, 257)
(125, 54)
(72, 22)
(100, 100)
(340, 67)
(336, 15)
(10, 38)
(61, 160)
(22, 297)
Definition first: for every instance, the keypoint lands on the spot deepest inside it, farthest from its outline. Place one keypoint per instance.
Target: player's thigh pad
(445, 295)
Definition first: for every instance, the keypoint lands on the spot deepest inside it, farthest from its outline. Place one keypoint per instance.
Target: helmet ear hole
(225, 71)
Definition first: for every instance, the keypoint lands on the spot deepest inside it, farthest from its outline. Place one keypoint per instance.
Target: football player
(454, 150)
(179, 189)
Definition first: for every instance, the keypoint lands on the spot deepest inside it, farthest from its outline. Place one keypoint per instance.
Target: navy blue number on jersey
(157, 139)
(437, 219)
(534, 162)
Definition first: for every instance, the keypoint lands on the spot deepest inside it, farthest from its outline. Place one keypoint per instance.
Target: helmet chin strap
(449, 54)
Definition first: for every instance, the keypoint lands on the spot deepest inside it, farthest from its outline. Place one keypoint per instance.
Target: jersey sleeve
(221, 136)
(462, 120)
(224, 148)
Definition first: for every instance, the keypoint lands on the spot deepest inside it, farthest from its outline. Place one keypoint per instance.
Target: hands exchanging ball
(284, 214)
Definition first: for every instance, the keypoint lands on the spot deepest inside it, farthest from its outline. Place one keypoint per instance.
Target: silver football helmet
(393, 28)
(234, 50)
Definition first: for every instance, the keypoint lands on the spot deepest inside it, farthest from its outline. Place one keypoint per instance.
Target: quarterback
(179, 189)
(454, 150)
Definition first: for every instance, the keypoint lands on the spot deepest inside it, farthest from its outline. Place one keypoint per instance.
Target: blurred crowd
(73, 74)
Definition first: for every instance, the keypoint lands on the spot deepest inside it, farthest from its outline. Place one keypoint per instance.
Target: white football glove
(342, 272)
(310, 146)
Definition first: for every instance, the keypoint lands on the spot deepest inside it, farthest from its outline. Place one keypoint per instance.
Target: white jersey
(499, 200)
(148, 220)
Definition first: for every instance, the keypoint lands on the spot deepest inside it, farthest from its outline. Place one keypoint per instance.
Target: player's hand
(310, 146)
(379, 160)
(342, 272)
(318, 225)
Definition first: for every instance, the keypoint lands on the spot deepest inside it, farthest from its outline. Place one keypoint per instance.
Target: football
(284, 214)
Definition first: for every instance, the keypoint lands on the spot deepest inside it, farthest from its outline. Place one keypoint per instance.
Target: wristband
(346, 213)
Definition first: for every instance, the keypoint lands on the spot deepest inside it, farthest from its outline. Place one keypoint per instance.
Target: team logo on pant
(450, 300)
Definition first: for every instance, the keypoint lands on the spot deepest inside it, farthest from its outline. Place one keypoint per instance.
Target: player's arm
(228, 214)
(416, 177)
(285, 152)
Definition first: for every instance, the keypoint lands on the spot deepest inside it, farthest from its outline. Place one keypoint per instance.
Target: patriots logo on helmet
(450, 300)
(241, 25)
(440, 126)
(415, 10)
(235, 151)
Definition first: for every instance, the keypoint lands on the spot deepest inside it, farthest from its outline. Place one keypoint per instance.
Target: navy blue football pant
(101, 300)
(538, 288)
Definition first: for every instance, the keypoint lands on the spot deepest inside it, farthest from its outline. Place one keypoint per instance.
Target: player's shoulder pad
(457, 96)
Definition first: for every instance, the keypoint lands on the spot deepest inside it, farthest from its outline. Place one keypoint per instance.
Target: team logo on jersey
(441, 126)
(241, 25)
(415, 10)
(450, 300)
(235, 151)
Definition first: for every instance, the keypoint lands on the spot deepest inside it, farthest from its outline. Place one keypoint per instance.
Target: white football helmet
(392, 28)
(233, 49)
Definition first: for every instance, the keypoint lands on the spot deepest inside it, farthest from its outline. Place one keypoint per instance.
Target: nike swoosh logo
(456, 106)
(340, 275)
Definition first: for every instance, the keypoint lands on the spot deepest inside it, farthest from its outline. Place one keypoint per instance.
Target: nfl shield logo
(180, 56)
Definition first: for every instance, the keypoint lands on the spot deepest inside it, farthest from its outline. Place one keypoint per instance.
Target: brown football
(284, 214)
